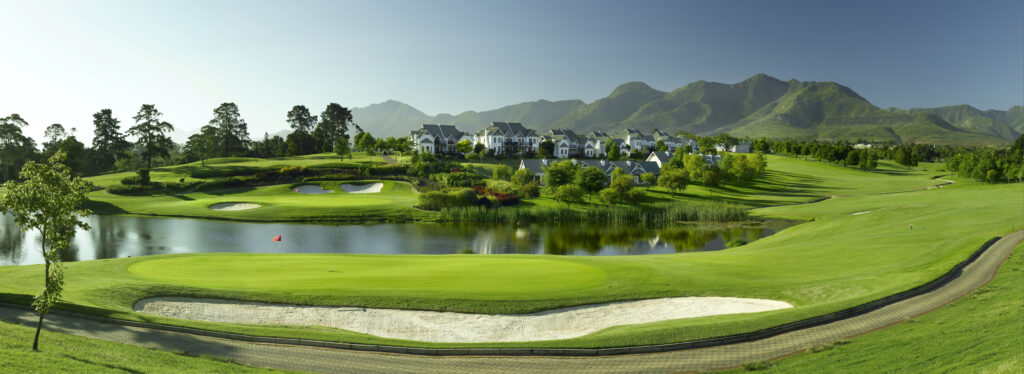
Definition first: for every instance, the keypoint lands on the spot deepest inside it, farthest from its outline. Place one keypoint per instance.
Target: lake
(124, 236)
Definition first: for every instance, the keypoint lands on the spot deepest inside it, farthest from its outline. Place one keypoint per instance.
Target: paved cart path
(301, 358)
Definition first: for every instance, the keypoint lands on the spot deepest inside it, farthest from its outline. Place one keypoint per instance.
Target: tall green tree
(612, 149)
(333, 125)
(204, 144)
(559, 173)
(673, 180)
(54, 134)
(151, 134)
(300, 142)
(232, 131)
(591, 180)
(108, 143)
(47, 199)
(15, 147)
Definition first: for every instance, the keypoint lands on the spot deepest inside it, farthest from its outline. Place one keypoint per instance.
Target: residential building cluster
(514, 138)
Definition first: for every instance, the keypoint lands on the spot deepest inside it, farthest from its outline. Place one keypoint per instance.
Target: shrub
(457, 179)
(121, 189)
(636, 196)
(389, 170)
(436, 200)
(502, 172)
(569, 193)
(143, 176)
(500, 186)
(131, 180)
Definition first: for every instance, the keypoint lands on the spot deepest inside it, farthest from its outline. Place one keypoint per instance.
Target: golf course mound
(233, 206)
(311, 189)
(362, 188)
(449, 327)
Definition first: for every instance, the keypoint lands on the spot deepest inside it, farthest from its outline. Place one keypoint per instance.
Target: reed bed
(646, 214)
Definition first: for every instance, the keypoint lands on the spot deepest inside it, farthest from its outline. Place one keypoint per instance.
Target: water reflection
(121, 236)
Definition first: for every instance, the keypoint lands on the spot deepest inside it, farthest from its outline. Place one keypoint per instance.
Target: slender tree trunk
(39, 326)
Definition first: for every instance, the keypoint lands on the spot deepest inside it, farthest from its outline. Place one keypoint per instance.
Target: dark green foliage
(546, 149)
(502, 172)
(152, 134)
(436, 200)
(232, 134)
(559, 173)
(657, 213)
(591, 180)
(143, 176)
(568, 193)
(333, 125)
(457, 179)
(108, 142)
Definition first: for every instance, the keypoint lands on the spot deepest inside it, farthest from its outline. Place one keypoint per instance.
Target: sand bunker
(859, 213)
(234, 206)
(311, 189)
(451, 327)
(362, 188)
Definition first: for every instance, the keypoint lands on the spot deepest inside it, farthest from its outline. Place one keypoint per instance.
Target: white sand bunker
(448, 327)
(859, 213)
(234, 206)
(362, 188)
(311, 189)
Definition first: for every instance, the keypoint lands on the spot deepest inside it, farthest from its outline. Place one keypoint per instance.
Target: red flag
(277, 238)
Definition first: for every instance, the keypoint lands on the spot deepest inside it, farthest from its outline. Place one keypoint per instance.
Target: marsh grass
(647, 214)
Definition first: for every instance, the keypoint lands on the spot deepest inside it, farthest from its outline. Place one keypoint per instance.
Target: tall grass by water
(658, 213)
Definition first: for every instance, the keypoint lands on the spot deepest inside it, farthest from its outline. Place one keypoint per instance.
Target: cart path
(301, 358)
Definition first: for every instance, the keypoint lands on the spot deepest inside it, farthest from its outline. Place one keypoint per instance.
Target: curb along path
(292, 357)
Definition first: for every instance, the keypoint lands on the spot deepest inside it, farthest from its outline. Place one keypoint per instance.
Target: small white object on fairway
(362, 188)
(448, 327)
(234, 206)
(311, 189)
(859, 213)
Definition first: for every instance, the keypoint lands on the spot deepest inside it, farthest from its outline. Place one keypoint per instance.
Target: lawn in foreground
(980, 333)
(836, 261)
(63, 353)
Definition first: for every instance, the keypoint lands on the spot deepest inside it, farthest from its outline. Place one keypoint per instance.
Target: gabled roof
(439, 131)
(534, 165)
(597, 135)
(565, 134)
(508, 129)
(662, 157)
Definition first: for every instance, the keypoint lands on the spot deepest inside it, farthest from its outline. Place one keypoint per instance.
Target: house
(595, 144)
(742, 147)
(661, 158)
(634, 139)
(535, 166)
(437, 139)
(567, 143)
(507, 137)
(673, 142)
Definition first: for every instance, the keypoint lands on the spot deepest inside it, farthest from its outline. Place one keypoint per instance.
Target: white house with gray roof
(437, 139)
(507, 137)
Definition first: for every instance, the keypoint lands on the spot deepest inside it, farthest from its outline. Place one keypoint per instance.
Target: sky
(62, 61)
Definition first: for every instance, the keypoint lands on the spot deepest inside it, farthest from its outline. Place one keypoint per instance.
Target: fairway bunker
(233, 206)
(449, 327)
(362, 188)
(859, 213)
(311, 189)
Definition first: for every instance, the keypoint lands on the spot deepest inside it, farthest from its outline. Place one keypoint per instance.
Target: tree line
(147, 143)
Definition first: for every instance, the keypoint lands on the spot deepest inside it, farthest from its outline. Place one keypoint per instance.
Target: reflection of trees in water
(105, 237)
(11, 240)
(564, 239)
(687, 238)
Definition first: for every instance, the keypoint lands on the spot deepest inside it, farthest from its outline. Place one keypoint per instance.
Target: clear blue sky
(62, 61)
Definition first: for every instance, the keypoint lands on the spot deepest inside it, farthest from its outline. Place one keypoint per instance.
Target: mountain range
(760, 106)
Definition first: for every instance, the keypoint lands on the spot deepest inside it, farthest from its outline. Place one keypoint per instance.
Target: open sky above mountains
(66, 60)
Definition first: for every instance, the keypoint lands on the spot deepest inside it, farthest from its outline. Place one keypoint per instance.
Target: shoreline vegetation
(659, 213)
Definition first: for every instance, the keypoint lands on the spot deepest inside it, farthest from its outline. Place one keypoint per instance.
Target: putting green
(343, 273)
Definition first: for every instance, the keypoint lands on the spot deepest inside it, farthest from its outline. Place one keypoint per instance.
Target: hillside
(760, 106)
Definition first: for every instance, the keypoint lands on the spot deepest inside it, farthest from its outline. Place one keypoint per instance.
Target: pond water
(124, 236)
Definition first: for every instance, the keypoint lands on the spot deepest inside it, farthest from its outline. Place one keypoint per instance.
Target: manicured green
(833, 262)
(980, 333)
(277, 203)
(62, 353)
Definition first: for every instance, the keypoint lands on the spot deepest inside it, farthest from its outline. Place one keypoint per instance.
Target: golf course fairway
(833, 261)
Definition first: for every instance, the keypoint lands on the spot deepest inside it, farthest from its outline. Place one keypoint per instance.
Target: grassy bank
(980, 333)
(834, 261)
(62, 353)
